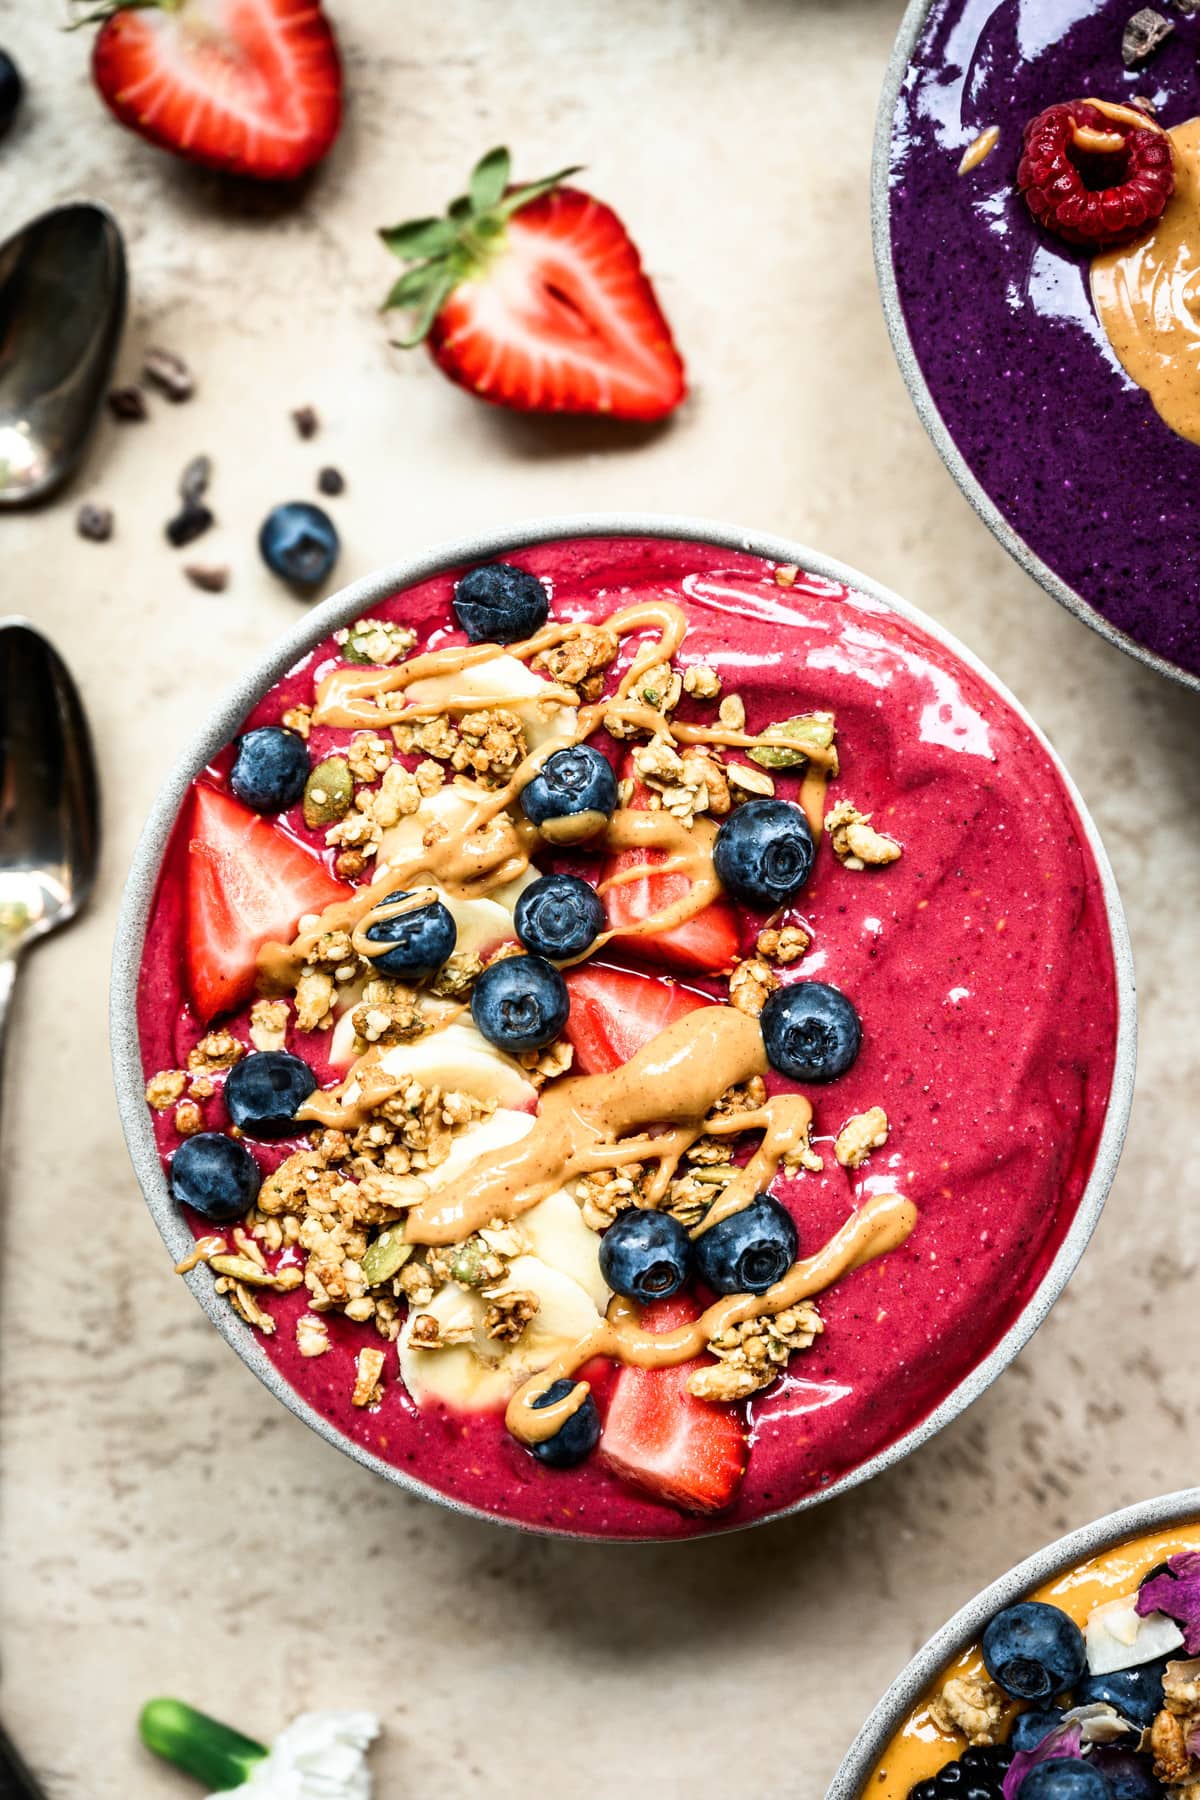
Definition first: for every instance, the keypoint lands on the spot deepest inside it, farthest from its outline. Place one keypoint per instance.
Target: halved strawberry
(706, 944)
(247, 882)
(253, 87)
(616, 1012)
(534, 297)
(660, 1438)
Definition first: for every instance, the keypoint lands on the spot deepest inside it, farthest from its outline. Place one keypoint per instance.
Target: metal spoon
(62, 309)
(49, 800)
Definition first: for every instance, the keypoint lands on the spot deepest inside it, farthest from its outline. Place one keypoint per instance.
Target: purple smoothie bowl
(1062, 456)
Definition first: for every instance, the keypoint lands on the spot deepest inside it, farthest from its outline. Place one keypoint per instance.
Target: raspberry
(1099, 193)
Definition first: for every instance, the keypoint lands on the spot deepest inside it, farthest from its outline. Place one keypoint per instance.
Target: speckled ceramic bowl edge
(343, 608)
(967, 1625)
(914, 379)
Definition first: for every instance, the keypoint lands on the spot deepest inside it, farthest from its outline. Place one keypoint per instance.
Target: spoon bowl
(63, 289)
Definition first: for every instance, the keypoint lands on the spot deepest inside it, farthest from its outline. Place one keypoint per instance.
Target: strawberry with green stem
(534, 297)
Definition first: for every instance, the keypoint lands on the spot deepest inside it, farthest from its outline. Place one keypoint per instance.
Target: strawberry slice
(247, 882)
(616, 1012)
(660, 1438)
(534, 297)
(707, 944)
(253, 87)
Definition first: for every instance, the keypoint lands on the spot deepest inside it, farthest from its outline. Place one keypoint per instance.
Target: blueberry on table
(216, 1176)
(1065, 1778)
(572, 796)
(1034, 1651)
(764, 853)
(573, 1441)
(1136, 1694)
(811, 1031)
(645, 1255)
(749, 1251)
(520, 1003)
(264, 1091)
(299, 543)
(500, 604)
(270, 769)
(11, 90)
(419, 941)
(1029, 1728)
(559, 916)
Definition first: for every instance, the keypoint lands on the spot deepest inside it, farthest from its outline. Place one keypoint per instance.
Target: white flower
(321, 1756)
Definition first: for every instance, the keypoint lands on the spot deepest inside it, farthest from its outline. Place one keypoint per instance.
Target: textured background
(164, 1524)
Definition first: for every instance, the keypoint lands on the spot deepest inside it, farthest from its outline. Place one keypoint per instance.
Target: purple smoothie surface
(1000, 317)
(980, 963)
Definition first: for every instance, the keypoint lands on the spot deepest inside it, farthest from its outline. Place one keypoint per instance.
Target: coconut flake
(1119, 1637)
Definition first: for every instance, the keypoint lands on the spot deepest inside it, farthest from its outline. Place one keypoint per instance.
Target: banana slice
(480, 1375)
(513, 685)
(503, 1128)
(457, 1059)
(554, 1231)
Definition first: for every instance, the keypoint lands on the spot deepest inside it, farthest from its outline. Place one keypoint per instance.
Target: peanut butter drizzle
(1147, 296)
(880, 1226)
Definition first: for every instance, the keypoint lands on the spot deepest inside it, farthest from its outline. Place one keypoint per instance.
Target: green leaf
(460, 209)
(489, 178)
(420, 238)
(442, 287)
(522, 196)
(411, 288)
(812, 731)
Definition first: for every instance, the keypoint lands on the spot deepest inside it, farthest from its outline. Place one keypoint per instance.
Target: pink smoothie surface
(981, 966)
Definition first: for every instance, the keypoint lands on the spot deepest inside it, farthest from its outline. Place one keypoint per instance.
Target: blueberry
(520, 1003)
(811, 1031)
(749, 1251)
(270, 769)
(216, 1176)
(11, 90)
(1065, 1778)
(1034, 1651)
(500, 604)
(574, 1440)
(572, 795)
(299, 543)
(1137, 1694)
(559, 916)
(1129, 1775)
(1029, 1728)
(645, 1255)
(263, 1091)
(764, 853)
(420, 940)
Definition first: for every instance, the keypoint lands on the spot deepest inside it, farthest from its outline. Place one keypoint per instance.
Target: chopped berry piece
(764, 853)
(572, 795)
(749, 1251)
(576, 1439)
(270, 769)
(128, 404)
(264, 1091)
(499, 604)
(559, 916)
(11, 90)
(1034, 1651)
(421, 940)
(216, 1176)
(169, 374)
(299, 543)
(811, 1031)
(520, 1003)
(1029, 1728)
(1065, 1778)
(331, 481)
(645, 1255)
(1094, 179)
(617, 1012)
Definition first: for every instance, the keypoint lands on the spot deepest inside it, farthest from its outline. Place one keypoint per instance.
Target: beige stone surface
(165, 1526)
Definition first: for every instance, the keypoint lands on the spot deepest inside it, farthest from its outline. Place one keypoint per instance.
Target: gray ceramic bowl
(911, 30)
(342, 609)
(966, 1627)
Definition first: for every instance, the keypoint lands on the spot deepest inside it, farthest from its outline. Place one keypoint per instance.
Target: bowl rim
(969, 485)
(967, 1624)
(342, 608)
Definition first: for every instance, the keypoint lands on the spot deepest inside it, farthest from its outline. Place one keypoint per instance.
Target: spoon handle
(9, 963)
(16, 1783)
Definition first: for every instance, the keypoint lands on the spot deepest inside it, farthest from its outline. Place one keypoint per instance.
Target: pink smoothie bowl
(873, 644)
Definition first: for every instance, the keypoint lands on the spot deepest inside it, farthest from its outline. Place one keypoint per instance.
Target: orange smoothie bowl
(1086, 1653)
(732, 1202)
